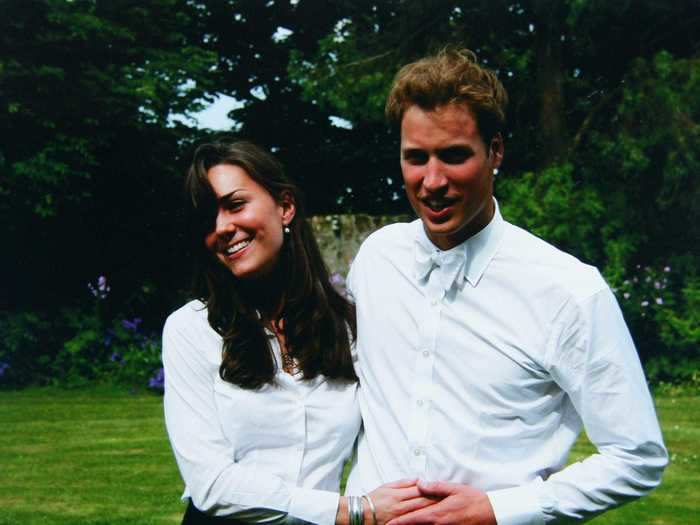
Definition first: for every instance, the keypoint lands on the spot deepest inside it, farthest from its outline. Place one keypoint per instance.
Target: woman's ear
(288, 207)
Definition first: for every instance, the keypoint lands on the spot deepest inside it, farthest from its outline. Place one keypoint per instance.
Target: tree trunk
(549, 26)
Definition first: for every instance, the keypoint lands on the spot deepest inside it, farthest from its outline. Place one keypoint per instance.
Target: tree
(86, 91)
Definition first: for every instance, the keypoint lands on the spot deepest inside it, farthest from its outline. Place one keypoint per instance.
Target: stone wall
(340, 236)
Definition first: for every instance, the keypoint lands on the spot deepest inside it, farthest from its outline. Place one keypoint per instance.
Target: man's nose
(435, 178)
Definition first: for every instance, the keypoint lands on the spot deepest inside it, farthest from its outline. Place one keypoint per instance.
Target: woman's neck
(266, 295)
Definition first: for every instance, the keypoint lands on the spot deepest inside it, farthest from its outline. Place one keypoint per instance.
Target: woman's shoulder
(188, 336)
(189, 319)
(188, 312)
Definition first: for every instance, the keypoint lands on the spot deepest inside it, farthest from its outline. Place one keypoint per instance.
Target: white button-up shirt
(270, 455)
(490, 381)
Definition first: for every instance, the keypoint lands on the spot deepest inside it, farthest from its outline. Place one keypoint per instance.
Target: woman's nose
(224, 224)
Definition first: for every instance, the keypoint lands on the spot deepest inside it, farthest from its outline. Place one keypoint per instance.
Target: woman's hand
(390, 500)
(395, 499)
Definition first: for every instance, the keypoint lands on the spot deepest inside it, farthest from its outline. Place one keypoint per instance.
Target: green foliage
(552, 205)
(115, 351)
(682, 328)
(78, 346)
(135, 354)
(26, 351)
(338, 78)
(661, 309)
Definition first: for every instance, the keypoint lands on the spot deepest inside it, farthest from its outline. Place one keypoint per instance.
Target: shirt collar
(477, 251)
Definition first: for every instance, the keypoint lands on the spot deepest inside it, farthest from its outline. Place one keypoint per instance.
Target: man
(483, 350)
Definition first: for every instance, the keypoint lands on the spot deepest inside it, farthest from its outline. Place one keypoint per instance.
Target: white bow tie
(450, 264)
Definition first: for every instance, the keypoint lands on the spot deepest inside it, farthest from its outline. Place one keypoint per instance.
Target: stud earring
(287, 230)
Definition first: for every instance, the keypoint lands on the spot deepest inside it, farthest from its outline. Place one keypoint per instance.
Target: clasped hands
(414, 502)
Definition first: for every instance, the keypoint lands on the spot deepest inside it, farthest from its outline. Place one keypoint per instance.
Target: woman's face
(248, 233)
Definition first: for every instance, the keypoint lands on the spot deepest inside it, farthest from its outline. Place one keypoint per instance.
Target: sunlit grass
(97, 456)
(100, 456)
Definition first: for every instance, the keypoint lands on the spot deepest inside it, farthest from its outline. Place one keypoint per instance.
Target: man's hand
(460, 505)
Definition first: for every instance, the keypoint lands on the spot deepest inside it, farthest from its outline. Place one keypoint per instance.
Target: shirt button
(419, 402)
(426, 353)
(433, 302)
(417, 452)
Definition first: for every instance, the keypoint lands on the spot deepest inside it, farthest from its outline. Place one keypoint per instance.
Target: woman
(260, 392)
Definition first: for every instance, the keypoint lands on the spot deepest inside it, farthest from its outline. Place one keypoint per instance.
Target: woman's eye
(233, 205)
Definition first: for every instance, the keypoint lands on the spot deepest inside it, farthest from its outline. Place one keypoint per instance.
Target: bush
(26, 351)
(662, 307)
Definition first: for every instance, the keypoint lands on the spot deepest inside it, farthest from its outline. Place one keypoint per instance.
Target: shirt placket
(425, 361)
(297, 424)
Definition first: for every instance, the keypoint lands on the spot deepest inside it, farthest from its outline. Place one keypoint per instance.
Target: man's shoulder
(389, 238)
(550, 265)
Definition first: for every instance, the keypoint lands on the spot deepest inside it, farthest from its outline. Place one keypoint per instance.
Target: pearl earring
(287, 230)
(495, 171)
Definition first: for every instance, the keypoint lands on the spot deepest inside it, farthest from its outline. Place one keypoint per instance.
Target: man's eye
(415, 157)
(455, 155)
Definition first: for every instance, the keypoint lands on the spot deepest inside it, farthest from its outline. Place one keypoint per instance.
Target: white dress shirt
(483, 371)
(273, 455)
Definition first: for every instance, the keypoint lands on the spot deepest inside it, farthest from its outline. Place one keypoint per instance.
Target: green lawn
(100, 456)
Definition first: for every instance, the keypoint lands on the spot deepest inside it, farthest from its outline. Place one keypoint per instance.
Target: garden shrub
(26, 351)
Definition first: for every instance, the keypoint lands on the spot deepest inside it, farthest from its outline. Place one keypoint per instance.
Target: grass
(93, 457)
(100, 456)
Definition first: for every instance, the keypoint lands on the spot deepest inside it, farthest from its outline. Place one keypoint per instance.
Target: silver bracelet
(355, 510)
(372, 508)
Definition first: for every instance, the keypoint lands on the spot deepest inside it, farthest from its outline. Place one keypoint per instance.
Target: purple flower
(338, 282)
(657, 285)
(644, 304)
(659, 300)
(115, 357)
(667, 269)
(626, 295)
(133, 324)
(102, 288)
(3, 366)
(157, 382)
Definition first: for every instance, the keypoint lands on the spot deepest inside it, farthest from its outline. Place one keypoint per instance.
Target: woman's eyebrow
(227, 196)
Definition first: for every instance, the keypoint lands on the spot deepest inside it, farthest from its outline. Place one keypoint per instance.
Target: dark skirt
(194, 516)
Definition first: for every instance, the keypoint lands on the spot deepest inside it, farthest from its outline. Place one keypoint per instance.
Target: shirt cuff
(314, 506)
(517, 505)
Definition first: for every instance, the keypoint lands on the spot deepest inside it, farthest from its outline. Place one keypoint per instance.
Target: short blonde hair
(453, 76)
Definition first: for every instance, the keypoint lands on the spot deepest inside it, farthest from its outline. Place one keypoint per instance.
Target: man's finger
(408, 493)
(437, 489)
(417, 517)
(401, 483)
(415, 504)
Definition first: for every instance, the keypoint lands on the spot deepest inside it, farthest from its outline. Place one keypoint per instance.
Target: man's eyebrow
(456, 148)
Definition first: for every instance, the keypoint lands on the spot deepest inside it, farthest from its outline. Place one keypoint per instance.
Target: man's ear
(496, 149)
(289, 207)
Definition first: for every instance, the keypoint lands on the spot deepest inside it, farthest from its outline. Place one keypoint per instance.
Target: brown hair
(319, 322)
(451, 76)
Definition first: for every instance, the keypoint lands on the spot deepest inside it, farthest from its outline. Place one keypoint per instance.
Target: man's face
(448, 172)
